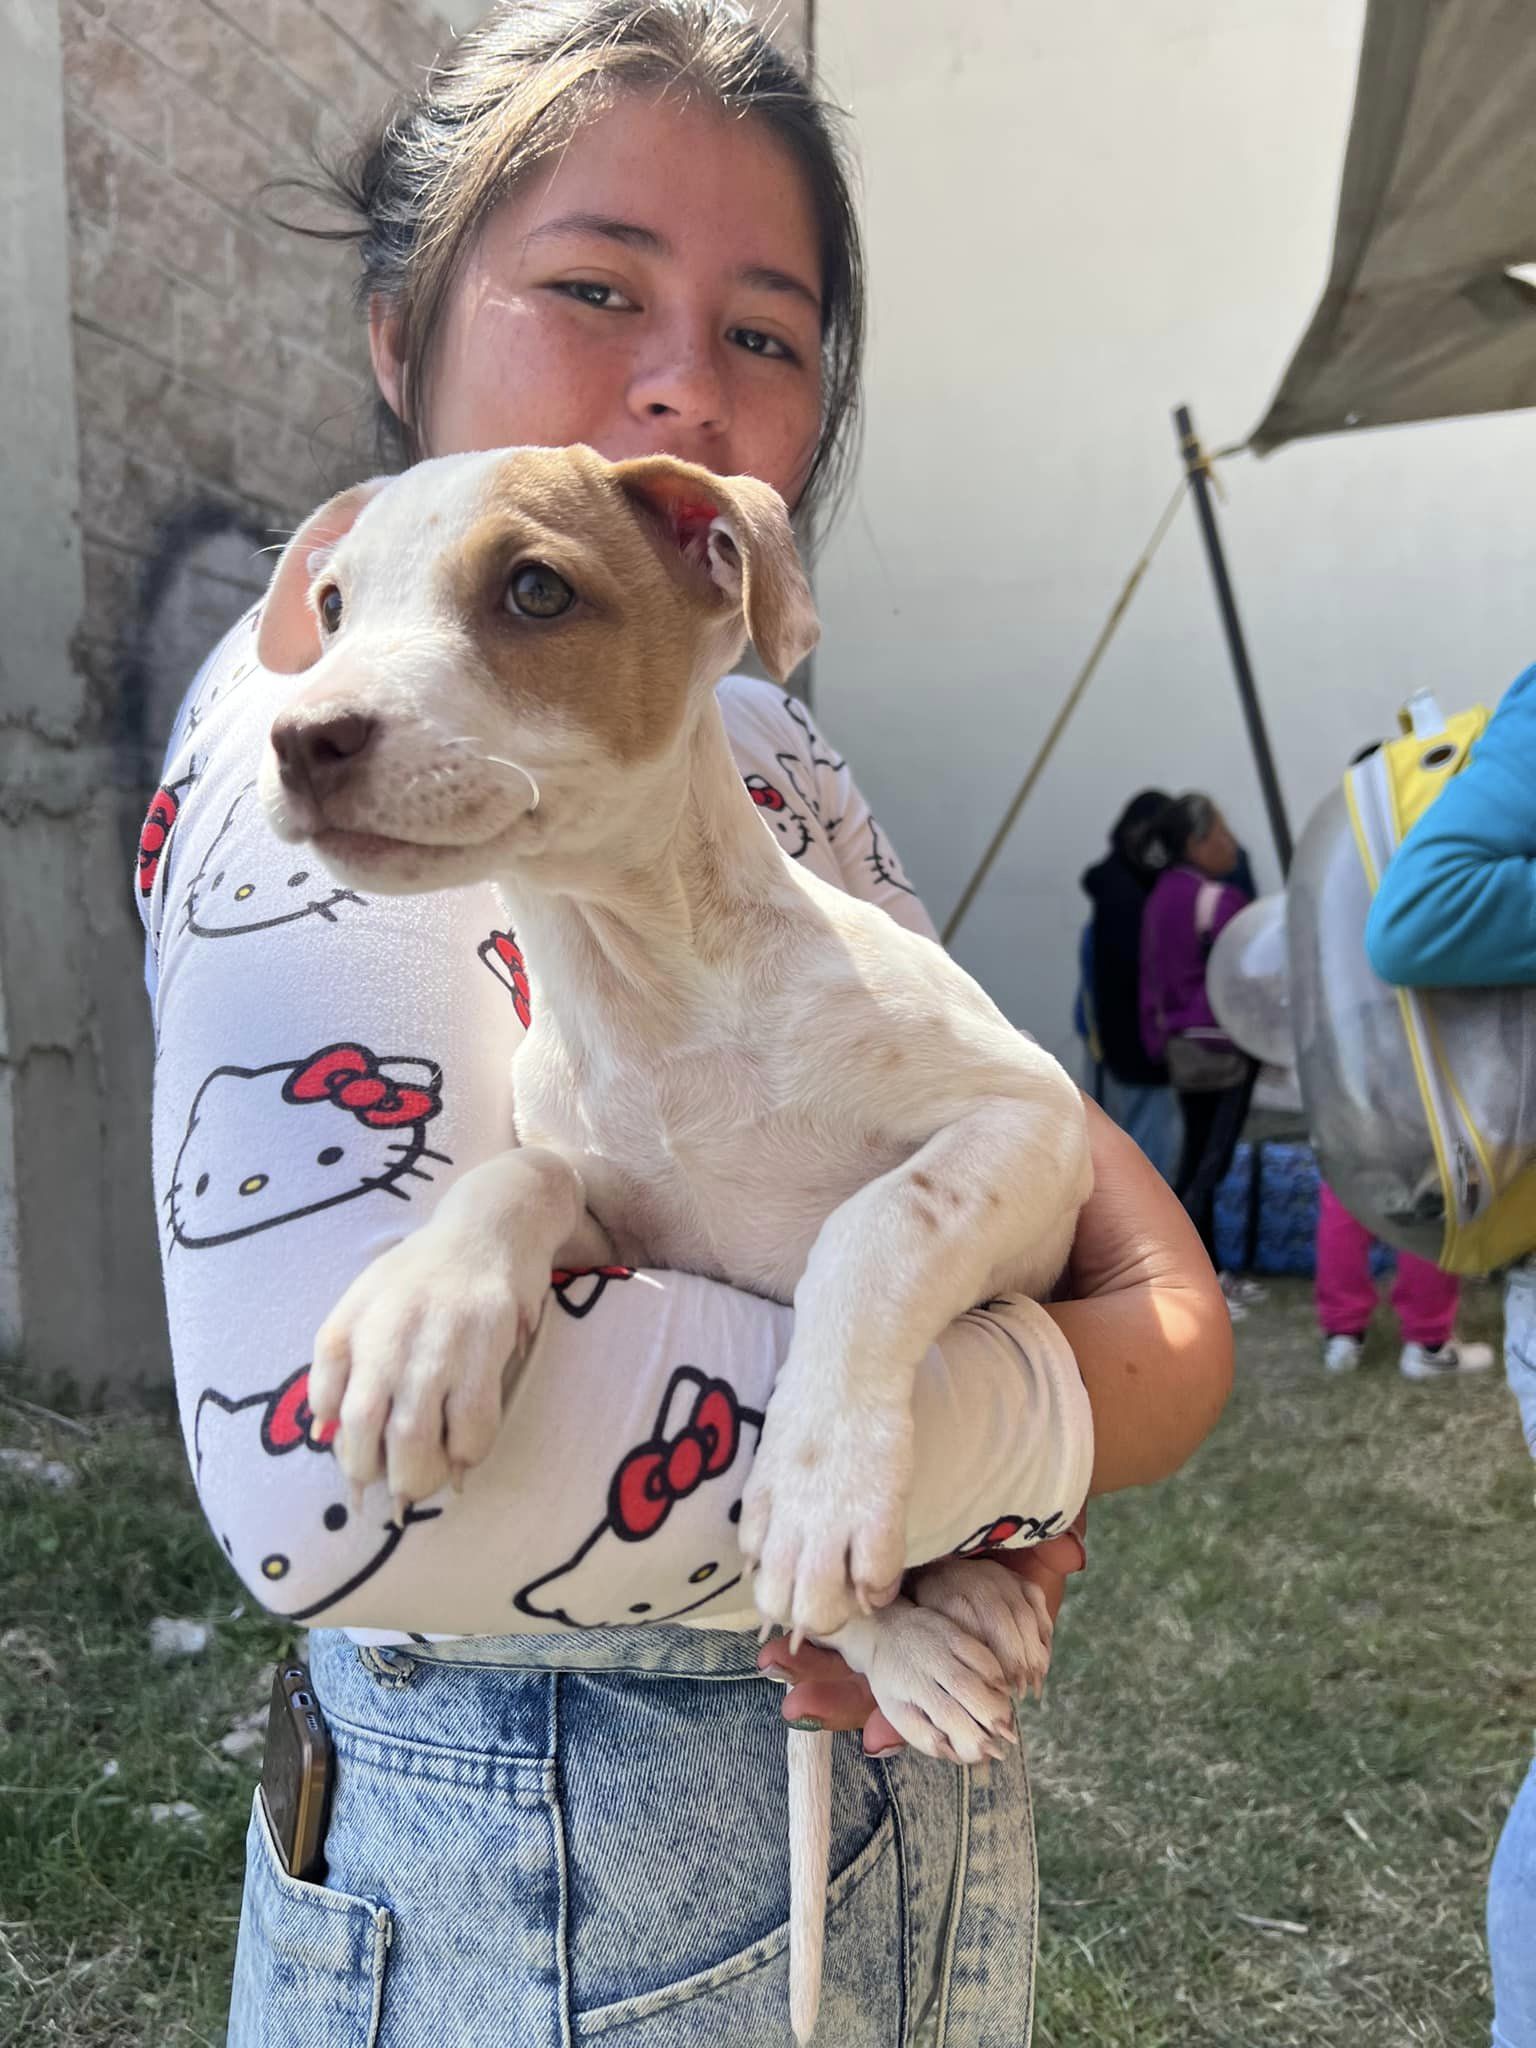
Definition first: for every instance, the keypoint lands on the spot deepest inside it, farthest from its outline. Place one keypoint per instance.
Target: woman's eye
(607, 297)
(329, 607)
(756, 343)
(538, 592)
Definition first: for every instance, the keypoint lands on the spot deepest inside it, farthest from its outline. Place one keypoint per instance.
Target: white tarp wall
(1080, 215)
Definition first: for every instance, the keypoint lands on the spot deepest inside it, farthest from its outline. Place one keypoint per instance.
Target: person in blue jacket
(1457, 909)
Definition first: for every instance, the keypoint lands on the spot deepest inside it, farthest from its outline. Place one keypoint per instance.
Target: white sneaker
(1450, 1361)
(1342, 1353)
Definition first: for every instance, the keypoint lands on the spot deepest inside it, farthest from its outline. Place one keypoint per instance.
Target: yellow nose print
(705, 1571)
(245, 889)
(254, 1185)
(274, 1567)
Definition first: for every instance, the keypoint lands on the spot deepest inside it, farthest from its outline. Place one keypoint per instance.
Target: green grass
(1297, 1683)
(114, 1930)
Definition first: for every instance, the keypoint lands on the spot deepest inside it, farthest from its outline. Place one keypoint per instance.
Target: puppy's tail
(810, 1827)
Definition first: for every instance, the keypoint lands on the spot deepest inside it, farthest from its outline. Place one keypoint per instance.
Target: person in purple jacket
(1190, 904)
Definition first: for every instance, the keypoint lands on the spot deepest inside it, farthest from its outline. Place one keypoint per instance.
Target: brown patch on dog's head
(668, 568)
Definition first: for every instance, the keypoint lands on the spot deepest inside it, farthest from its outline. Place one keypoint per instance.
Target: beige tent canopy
(1423, 316)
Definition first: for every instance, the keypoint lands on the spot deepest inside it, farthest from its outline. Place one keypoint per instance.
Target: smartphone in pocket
(297, 1772)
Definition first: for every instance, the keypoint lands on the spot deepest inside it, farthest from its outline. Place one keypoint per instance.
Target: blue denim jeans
(1512, 1881)
(544, 1842)
(1512, 1923)
(1520, 1344)
(1149, 1115)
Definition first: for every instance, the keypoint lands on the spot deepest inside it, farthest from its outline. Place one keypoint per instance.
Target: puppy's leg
(995, 1607)
(414, 1361)
(993, 1194)
(941, 1688)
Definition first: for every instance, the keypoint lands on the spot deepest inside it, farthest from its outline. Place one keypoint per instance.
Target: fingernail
(886, 1749)
(808, 1724)
(779, 1677)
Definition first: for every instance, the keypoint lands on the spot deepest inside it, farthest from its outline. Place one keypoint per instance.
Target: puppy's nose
(316, 750)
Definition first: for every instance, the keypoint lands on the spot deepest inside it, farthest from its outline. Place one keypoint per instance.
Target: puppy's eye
(538, 593)
(329, 607)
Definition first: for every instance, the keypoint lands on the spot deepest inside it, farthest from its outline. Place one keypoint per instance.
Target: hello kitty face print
(213, 686)
(579, 1289)
(266, 1145)
(656, 1553)
(792, 831)
(328, 1549)
(883, 864)
(232, 895)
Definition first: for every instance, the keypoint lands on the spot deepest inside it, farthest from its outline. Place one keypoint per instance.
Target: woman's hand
(823, 1689)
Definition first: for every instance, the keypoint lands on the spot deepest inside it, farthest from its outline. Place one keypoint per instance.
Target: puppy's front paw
(412, 1362)
(998, 1608)
(941, 1688)
(824, 1515)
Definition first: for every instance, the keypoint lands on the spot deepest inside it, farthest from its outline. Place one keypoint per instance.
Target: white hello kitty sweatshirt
(326, 1063)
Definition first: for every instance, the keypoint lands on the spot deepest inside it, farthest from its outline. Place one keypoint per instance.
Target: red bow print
(158, 821)
(763, 794)
(349, 1076)
(666, 1470)
(510, 954)
(288, 1421)
(1032, 1528)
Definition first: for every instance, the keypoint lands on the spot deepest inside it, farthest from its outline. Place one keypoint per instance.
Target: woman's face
(655, 289)
(1214, 854)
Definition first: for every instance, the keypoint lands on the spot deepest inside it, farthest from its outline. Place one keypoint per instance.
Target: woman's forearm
(1147, 1323)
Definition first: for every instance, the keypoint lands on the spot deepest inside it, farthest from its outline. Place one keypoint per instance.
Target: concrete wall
(1079, 216)
(183, 380)
(219, 364)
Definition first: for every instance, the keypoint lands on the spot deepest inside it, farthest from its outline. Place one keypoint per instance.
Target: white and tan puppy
(733, 1068)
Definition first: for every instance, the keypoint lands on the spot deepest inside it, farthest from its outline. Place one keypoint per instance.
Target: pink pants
(1425, 1298)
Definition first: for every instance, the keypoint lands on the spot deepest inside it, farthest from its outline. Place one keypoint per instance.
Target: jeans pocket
(309, 1965)
(743, 2002)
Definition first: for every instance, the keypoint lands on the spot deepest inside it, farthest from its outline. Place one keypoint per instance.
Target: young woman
(559, 1814)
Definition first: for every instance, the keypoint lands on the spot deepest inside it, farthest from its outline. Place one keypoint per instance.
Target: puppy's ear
(737, 531)
(288, 638)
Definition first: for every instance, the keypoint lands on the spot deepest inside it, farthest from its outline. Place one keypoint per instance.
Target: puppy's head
(506, 654)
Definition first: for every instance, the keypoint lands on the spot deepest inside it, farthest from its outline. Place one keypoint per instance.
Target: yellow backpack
(1422, 1102)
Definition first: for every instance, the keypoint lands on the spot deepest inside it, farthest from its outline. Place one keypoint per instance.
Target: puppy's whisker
(498, 761)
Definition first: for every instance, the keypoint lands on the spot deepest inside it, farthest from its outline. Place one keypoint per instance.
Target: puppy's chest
(715, 1160)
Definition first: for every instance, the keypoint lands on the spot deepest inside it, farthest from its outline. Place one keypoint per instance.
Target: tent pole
(1258, 738)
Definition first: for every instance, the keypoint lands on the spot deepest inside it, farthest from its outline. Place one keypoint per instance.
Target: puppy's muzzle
(318, 751)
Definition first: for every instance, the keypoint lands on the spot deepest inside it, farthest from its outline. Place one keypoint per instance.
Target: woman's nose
(681, 381)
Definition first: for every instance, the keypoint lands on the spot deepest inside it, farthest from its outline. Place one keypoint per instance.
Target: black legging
(1213, 1123)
